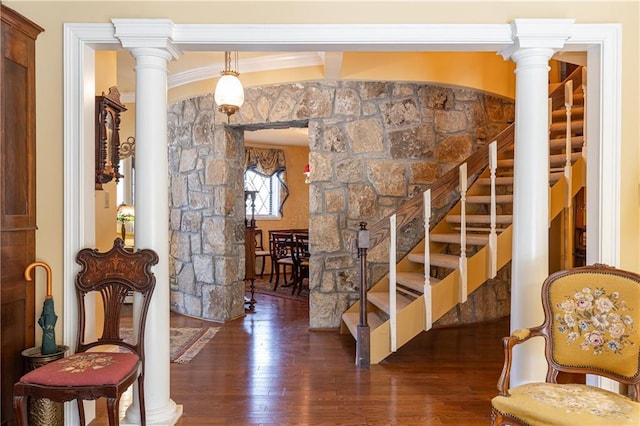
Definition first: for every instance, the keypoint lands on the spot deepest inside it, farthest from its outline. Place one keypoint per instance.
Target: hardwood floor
(268, 369)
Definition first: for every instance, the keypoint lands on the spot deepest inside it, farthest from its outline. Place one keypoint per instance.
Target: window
(267, 203)
(265, 172)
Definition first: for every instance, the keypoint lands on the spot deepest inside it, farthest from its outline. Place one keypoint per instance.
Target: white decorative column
(535, 42)
(150, 42)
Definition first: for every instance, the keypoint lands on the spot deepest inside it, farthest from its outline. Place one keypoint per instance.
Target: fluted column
(535, 43)
(149, 42)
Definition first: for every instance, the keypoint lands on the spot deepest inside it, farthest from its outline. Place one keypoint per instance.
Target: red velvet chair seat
(84, 369)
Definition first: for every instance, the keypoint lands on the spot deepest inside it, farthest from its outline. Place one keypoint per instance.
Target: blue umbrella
(48, 318)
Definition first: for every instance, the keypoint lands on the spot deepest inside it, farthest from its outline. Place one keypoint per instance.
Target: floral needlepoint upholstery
(84, 369)
(568, 404)
(592, 318)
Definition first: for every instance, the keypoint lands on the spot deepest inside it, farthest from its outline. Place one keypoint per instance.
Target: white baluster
(428, 321)
(393, 323)
(550, 109)
(493, 236)
(568, 104)
(463, 233)
(584, 116)
(567, 251)
(550, 118)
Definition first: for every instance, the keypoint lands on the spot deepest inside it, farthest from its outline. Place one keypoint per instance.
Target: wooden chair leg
(113, 405)
(277, 266)
(273, 267)
(81, 416)
(143, 412)
(264, 260)
(20, 410)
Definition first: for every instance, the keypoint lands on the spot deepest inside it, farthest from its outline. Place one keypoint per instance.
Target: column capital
(147, 33)
(538, 34)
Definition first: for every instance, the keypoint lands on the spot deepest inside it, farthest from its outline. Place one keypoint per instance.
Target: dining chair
(87, 374)
(260, 251)
(281, 257)
(591, 326)
(301, 260)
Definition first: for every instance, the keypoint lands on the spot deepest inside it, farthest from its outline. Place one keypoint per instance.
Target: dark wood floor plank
(269, 369)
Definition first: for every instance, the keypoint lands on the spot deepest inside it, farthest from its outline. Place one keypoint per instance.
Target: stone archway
(372, 146)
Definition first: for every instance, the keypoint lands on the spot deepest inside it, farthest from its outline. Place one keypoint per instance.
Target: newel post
(363, 350)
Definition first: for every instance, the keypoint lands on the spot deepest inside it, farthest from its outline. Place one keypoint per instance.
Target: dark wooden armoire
(17, 197)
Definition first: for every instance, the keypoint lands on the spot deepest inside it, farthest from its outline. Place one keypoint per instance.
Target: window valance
(265, 161)
(268, 162)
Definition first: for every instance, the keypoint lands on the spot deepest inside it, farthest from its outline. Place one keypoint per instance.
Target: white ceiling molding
(343, 37)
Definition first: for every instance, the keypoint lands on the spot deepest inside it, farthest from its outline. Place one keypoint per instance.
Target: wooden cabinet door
(17, 198)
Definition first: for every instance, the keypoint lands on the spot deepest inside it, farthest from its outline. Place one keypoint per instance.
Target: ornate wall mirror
(108, 110)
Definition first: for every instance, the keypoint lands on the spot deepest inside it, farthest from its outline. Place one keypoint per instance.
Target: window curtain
(268, 162)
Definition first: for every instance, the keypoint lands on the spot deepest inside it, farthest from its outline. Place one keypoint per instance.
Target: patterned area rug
(185, 342)
(265, 287)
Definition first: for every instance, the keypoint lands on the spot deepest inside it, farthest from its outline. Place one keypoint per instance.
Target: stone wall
(372, 146)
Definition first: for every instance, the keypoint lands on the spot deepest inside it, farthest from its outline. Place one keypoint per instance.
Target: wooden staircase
(419, 299)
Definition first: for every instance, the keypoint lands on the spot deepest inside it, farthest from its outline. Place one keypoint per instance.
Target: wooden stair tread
(555, 176)
(561, 143)
(444, 260)
(454, 238)
(414, 280)
(381, 300)
(561, 114)
(555, 159)
(576, 125)
(479, 218)
(486, 199)
(352, 319)
(500, 180)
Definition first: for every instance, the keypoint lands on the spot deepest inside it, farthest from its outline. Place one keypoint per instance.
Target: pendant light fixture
(229, 93)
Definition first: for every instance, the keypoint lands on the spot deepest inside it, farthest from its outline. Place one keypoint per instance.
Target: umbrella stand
(43, 412)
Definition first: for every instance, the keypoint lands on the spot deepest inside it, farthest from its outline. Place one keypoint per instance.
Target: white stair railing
(568, 222)
(393, 321)
(428, 309)
(463, 233)
(493, 236)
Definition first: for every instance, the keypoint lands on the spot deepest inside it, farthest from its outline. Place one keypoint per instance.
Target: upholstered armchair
(591, 326)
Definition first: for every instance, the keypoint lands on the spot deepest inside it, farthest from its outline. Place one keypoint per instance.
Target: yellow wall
(49, 49)
(106, 66)
(490, 71)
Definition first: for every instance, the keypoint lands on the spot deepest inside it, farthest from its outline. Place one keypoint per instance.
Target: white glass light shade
(229, 94)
